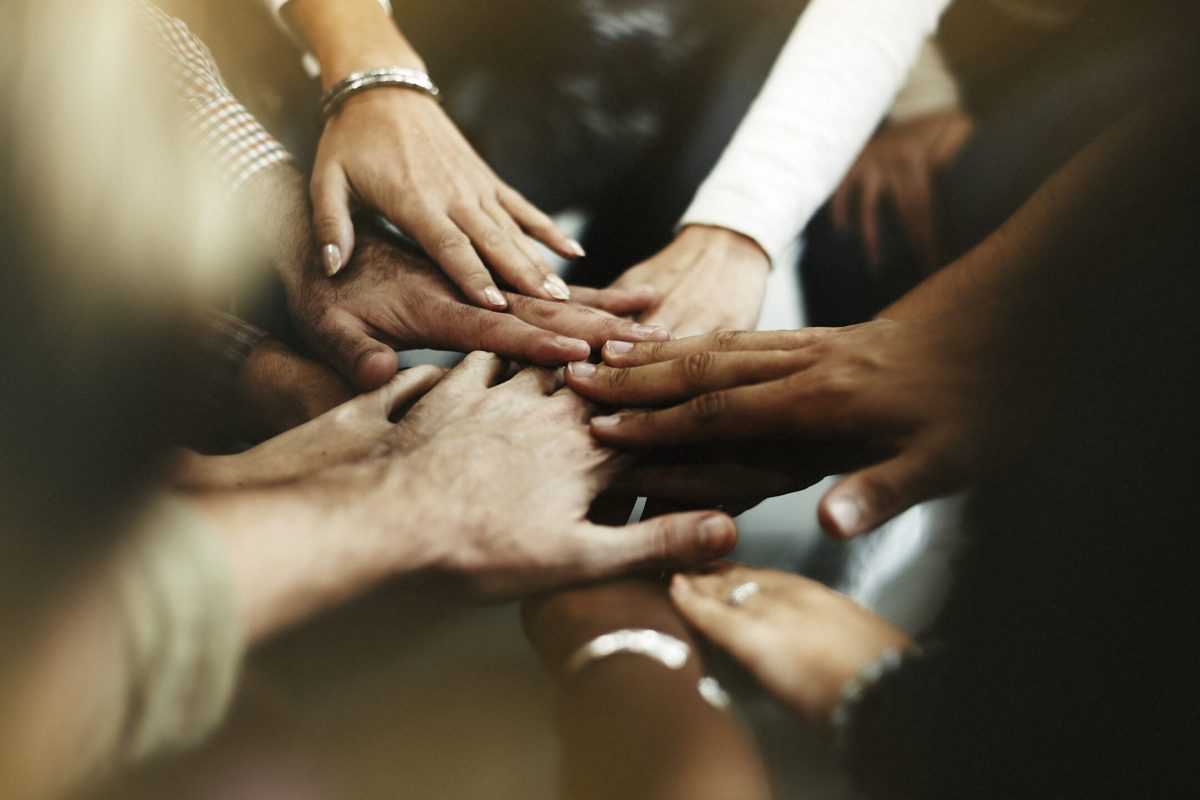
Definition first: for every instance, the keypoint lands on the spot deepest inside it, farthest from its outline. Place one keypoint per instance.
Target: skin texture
(346, 433)
(434, 497)
(394, 150)
(706, 279)
(662, 740)
(277, 389)
(900, 166)
(800, 639)
(905, 404)
(389, 298)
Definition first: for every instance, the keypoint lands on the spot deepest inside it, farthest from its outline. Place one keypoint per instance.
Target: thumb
(406, 387)
(365, 362)
(870, 497)
(333, 229)
(673, 540)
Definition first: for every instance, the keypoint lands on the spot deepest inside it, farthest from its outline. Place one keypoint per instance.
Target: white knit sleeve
(831, 85)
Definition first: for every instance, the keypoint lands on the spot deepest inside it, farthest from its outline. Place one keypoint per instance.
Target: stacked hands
(495, 478)
(724, 418)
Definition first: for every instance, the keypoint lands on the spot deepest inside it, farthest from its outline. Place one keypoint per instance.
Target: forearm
(306, 546)
(350, 35)
(1045, 247)
(631, 727)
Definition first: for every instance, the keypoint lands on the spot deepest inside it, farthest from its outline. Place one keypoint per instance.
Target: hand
(901, 164)
(277, 389)
(502, 476)
(910, 401)
(389, 298)
(345, 434)
(800, 639)
(396, 151)
(707, 279)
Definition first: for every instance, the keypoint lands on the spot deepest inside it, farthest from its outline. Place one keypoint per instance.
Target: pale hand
(800, 639)
(706, 279)
(395, 150)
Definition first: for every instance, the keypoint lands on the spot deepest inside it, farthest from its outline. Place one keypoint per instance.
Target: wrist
(560, 624)
(726, 244)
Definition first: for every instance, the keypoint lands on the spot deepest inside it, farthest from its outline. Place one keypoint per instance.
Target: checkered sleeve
(228, 134)
(226, 343)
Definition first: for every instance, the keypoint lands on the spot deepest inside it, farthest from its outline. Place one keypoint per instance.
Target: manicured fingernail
(654, 332)
(618, 348)
(331, 259)
(556, 288)
(847, 513)
(607, 422)
(494, 297)
(714, 533)
(575, 248)
(581, 369)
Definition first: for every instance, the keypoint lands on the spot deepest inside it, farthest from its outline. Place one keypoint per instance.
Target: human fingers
(616, 300)
(869, 198)
(669, 382)
(673, 540)
(446, 243)
(538, 224)
(912, 191)
(405, 388)
(737, 630)
(536, 380)
(580, 322)
(509, 254)
(477, 370)
(511, 337)
(332, 225)
(866, 499)
(744, 413)
(623, 353)
(341, 341)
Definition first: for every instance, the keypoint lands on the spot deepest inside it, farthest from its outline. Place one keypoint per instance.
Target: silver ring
(740, 593)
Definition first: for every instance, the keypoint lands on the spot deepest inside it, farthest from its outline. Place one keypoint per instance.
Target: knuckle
(324, 220)
(452, 241)
(708, 406)
(728, 340)
(496, 239)
(618, 377)
(696, 367)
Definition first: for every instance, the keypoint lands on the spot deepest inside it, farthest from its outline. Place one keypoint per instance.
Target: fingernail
(714, 533)
(847, 513)
(607, 422)
(654, 332)
(556, 288)
(331, 258)
(581, 369)
(494, 297)
(578, 345)
(618, 348)
(680, 583)
(575, 248)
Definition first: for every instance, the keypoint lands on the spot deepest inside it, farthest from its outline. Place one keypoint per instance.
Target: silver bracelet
(672, 653)
(357, 82)
(663, 648)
